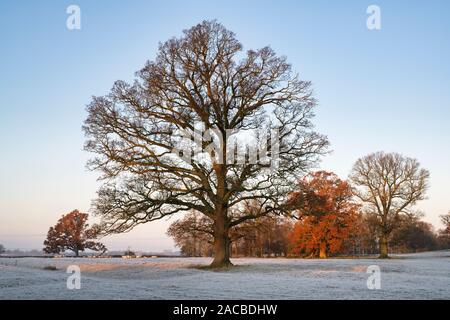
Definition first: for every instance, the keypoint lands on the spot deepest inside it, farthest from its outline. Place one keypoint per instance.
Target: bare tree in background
(193, 234)
(268, 235)
(389, 184)
(198, 78)
(444, 234)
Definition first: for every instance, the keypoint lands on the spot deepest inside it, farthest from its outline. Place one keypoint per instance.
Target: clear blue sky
(378, 90)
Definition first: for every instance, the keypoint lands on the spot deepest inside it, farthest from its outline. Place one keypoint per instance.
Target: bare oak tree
(389, 184)
(444, 234)
(198, 78)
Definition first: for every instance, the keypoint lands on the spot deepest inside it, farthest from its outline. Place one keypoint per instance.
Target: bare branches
(197, 79)
(72, 233)
(389, 185)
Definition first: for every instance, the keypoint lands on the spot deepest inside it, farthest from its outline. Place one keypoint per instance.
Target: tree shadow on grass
(221, 269)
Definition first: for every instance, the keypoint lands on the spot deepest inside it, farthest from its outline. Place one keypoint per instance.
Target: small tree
(327, 214)
(2, 249)
(389, 184)
(72, 233)
(444, 234)
(364, 238)
(129, 252)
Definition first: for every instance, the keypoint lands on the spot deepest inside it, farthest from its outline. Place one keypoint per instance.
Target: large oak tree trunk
(222, 243)
(383, 246)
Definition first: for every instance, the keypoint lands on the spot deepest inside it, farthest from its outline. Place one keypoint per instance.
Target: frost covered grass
(412, 276)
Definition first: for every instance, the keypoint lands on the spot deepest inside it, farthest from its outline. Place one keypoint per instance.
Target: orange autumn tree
(327, 215)
(72, 232)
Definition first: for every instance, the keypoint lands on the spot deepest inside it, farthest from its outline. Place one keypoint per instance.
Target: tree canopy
(327, 213)
(203, 87)
(72, 232)
(389, 185)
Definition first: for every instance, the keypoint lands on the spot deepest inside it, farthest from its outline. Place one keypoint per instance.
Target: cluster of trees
(280, 237)
(265, 236)
(330, 222)
(328, 215)
(203, 79)
(2, 249)
(334, 225)
(411, 235)
(414, 235)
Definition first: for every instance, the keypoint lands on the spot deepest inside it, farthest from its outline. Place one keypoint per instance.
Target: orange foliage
(72, 232)
(327, 214)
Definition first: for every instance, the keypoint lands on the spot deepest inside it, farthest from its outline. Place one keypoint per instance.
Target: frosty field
(412, 276)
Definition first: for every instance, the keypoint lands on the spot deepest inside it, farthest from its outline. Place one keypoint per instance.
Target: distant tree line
(329, 217)
(330, 222)
(254, 238)
(72, 232)
(279, 237)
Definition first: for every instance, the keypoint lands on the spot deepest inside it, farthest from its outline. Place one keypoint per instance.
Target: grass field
(412, 276)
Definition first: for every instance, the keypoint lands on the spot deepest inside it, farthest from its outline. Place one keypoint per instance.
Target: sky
(384, 89)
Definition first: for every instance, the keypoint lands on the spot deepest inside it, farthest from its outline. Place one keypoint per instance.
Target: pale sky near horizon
(378, 90)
